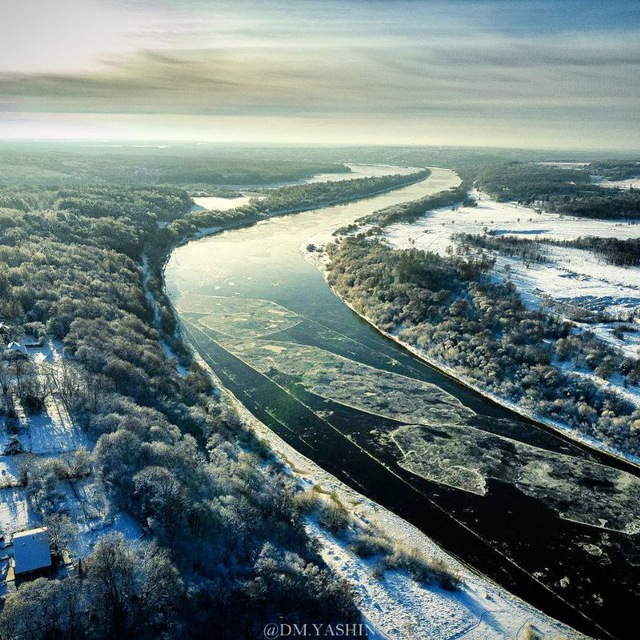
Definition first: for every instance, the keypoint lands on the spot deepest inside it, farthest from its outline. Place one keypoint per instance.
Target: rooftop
(31, 550)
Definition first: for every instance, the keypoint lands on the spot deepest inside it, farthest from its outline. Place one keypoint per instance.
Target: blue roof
(31, 550)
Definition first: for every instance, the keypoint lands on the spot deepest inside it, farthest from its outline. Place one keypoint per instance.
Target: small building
(16, 350)
(31, 551)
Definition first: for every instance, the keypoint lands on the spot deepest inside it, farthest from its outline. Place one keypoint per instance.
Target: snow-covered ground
(433, 232)
(52, 432)
(208, 203)
(633, 183)
(172, 357)
(15, 514)
(573, 276)
(397, 607)
(88, 507)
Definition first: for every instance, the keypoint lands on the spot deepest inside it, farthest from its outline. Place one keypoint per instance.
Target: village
(52, 507)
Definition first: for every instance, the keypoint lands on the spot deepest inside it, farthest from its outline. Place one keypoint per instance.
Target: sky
(556, 74)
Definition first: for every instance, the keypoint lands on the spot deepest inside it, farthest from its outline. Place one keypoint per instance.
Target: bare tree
(6, 379)
(64, 379)
(61, 533)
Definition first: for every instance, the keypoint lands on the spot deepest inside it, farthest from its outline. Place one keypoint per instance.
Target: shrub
(307, 502)
(14, 447)
(33, 404)
(424, 569)
(367, 545)
(335, 518)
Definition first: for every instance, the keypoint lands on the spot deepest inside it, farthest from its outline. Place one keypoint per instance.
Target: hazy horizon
(537, 74)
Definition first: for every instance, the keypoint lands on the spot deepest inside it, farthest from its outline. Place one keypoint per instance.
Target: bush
(335, 518)
(33, 404)
(307, 502)
(367, 545)
(14, 447)
(424, 569)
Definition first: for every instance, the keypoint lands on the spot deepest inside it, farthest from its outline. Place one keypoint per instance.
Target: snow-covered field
(208, 203)
(15, 514)
(433, 231)
(573, 276)
(633, 183)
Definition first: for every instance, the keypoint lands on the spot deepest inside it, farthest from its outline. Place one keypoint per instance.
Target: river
(553, 522)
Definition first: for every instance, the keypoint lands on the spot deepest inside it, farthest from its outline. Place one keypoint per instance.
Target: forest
(557, 190)
(615, 169)
(230, 550)
(460, 317)
(530, 251)
(193, 167)
(411, 211)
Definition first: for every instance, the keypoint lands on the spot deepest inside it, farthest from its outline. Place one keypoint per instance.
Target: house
(31, 551)
(16, 350)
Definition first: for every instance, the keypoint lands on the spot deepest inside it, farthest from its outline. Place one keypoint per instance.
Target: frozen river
(551, 521)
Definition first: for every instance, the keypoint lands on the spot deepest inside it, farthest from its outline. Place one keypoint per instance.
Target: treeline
(411, 211)
(167, 451)
(622, 253)
(451, 309)
(527, 182)
(285, 200)
(194, 169)
(510, 246)
(614, 170)
(606, 203)
(307, 196)
(557, 190)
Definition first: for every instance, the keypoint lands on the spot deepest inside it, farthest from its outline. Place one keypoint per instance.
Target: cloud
(401, 62)
(253, 80)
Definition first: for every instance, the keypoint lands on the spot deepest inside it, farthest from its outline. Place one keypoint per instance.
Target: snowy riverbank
(397, 607)
(570, 276)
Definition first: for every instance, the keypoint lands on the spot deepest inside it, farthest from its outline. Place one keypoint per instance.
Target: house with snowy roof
(31, 551)
(16, 350)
